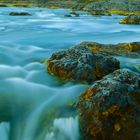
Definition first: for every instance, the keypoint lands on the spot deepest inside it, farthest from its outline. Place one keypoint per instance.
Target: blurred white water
(65, 128)
(35, 105)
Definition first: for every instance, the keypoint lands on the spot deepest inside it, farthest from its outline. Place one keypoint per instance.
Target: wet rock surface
(131, 19)
(81, 64)
(110, 108)
(127, 49)
(19, 14)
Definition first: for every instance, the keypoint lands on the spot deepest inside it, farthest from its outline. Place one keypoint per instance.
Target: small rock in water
(19, 14)
(110, 108)
(67, 15)
(72, 14)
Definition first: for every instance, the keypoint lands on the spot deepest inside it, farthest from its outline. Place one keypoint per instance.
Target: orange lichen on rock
(131, 47)
(81, 64)
(114, 49)
(112, 111)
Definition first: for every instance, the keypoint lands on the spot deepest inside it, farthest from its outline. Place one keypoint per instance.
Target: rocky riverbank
(121, 6)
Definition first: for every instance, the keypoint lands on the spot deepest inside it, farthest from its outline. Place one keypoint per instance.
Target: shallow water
(33, 104)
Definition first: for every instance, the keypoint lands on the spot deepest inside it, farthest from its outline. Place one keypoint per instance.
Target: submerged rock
(81, 64)
(131, 19)
(110, 108)
(19, 14)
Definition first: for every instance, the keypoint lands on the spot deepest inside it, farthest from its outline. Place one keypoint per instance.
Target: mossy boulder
(79, 63)
(110, 108)
(19, 14)
(131, 19)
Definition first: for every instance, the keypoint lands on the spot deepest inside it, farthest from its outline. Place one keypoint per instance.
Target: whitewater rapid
(35, 105)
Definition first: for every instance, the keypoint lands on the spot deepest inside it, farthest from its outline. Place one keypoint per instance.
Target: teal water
(33, 104)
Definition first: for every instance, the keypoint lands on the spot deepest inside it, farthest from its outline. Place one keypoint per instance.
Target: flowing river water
(33, 104)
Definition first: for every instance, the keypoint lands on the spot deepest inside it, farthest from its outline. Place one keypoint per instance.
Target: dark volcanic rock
(81, 64)
(131, 19)
(110, 108)
(19, 14)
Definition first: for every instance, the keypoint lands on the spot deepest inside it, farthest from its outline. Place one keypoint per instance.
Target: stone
(19, 14)
(128, 49)
(110, 108)
(81, 64)
(67, 15)
(131, 19)
(74, 14)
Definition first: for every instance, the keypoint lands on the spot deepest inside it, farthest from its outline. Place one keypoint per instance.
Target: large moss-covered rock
(80, 63)
(19, 14)
(110, 108)
(131, 19)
